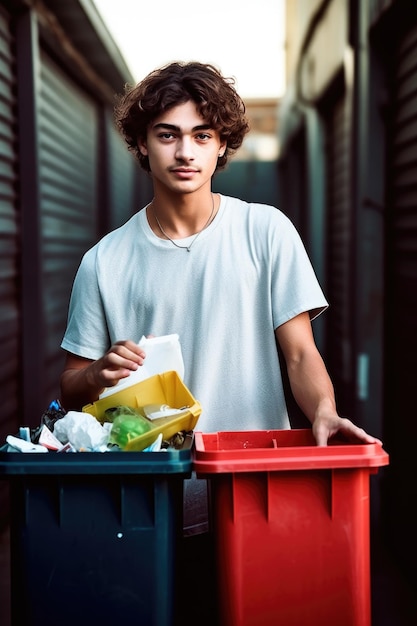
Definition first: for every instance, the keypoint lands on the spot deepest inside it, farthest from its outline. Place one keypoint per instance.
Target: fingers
(362, 435)
(321, 434)
(324, 429)
(121, 359)
(126, 354)
(355, 433)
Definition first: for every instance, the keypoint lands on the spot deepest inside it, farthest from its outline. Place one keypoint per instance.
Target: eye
(166, 136)
(203, 136)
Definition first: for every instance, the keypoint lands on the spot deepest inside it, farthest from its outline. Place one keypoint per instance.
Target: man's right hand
(83, 380)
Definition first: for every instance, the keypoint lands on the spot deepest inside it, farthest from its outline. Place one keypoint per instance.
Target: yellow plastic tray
(166, 388)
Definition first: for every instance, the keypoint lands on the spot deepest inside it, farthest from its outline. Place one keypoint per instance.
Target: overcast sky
(243, 38)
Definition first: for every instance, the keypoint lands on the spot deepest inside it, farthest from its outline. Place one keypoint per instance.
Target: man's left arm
(310, 383)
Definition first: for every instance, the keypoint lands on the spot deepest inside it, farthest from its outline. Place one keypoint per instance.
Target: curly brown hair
(177, 83)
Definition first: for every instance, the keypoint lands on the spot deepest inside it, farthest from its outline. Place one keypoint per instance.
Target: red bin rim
(279, 450)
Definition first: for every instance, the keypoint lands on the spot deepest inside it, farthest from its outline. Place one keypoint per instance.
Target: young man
(231, 278)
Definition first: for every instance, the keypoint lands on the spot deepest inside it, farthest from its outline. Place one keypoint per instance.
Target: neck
(181, 219)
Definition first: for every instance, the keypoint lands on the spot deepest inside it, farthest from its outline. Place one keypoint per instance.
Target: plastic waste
(127, 424)
(48, 439)
(24, 446)
(156, 446)
(60, 431)
(83, 431)
(154, 411)
(53, 413)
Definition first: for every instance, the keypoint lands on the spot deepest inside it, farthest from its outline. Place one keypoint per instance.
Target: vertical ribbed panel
(68, 131)
(401, 301)
(402, 231)
(339, 216)
(9, 297)
(404, 188)
(123, 171)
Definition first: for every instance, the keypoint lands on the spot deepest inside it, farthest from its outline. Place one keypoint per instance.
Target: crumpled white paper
(163, 354)
(82, 431)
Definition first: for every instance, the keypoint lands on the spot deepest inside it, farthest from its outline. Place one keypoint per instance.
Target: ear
(222, 148)
(142, 147)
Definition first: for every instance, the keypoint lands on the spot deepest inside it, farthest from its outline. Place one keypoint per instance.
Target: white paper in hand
(163, 354)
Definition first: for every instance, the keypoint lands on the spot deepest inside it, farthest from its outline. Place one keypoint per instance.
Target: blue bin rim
(172, 461)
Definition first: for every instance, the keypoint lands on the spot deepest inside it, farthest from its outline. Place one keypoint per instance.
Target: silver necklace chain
(177, 245)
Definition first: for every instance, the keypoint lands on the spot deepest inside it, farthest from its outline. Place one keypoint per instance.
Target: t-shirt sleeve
(86, 334)
(295, 287)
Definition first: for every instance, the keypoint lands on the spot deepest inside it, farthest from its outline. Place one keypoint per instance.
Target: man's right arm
(83, 379)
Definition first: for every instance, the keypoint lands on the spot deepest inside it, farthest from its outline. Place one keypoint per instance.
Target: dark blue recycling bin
(95, 536)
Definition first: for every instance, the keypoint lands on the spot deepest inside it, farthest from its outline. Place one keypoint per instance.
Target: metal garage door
(401, 309)
(9, 297)
(339, 266)
(124, 171)
(68, 159)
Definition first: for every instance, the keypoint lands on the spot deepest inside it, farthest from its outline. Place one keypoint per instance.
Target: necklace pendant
(188, 248)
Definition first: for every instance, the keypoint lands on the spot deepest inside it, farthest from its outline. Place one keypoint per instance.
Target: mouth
(184, 171)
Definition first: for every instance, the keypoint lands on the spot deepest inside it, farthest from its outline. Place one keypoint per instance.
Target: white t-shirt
(245, 275)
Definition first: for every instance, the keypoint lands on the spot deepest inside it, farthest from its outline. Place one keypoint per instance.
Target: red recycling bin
(291, 521)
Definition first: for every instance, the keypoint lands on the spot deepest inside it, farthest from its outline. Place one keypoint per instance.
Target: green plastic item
(127, 426)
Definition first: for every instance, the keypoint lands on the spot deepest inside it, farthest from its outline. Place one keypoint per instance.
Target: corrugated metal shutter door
(123, 170)
(293, 184)
(68, 121)
(9, 297)
(401, 422)
(338, 320)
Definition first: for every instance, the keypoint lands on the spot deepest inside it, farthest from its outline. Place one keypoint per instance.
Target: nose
(184, 150)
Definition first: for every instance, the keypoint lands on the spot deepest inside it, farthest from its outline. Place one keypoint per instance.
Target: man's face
(182, 149)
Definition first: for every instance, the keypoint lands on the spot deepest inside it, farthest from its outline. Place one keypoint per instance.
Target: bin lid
(279, 450)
